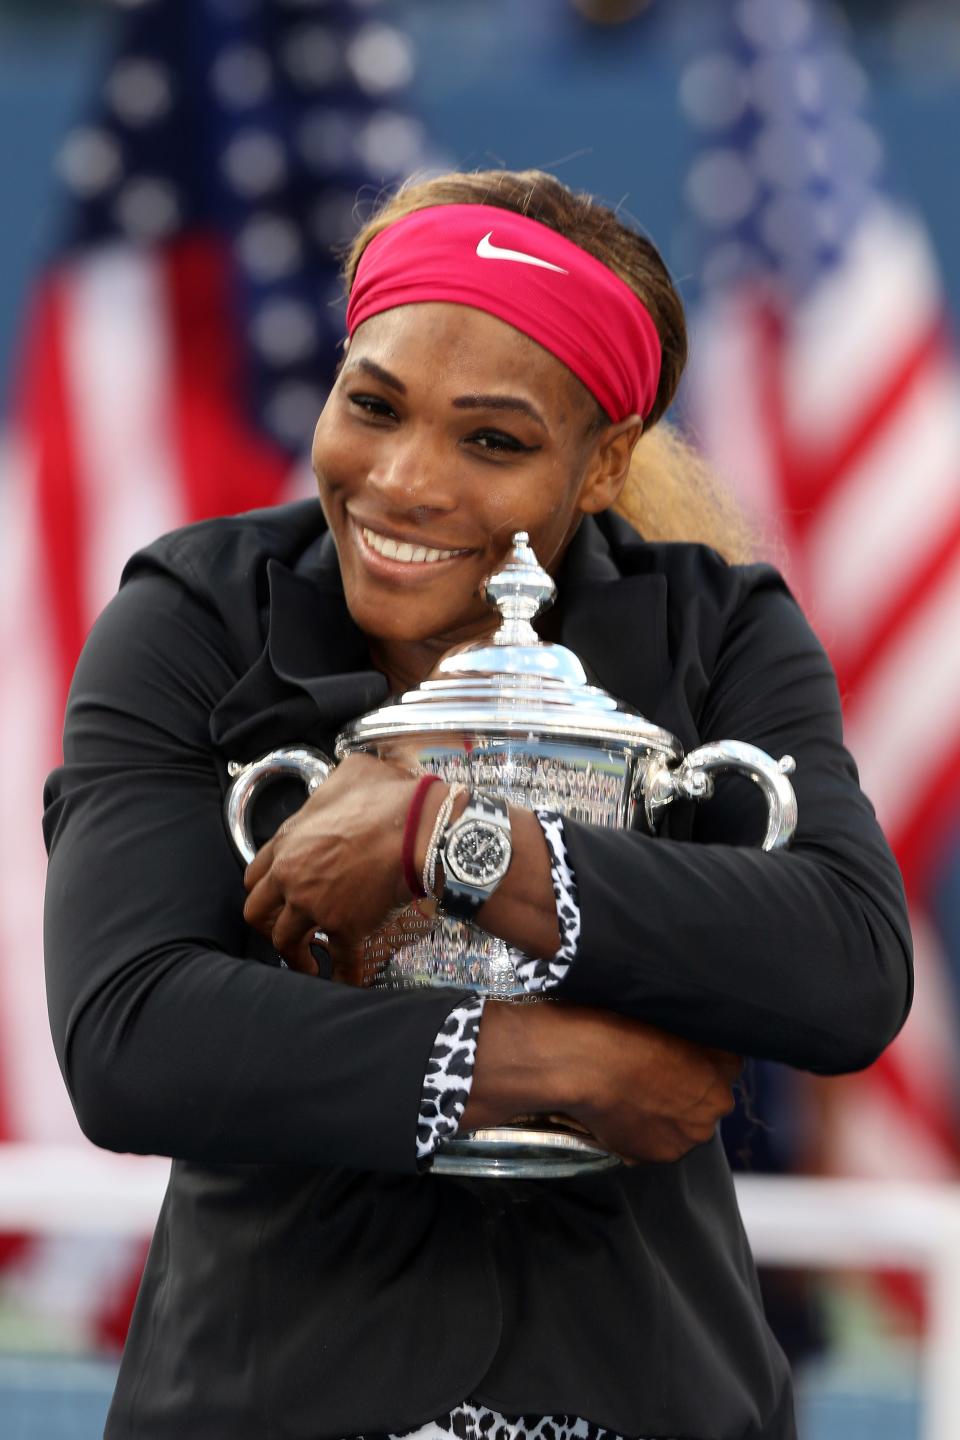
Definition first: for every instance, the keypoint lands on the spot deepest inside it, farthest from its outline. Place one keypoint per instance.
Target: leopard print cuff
(472, 1421)
(446, 1085)
(539, 975)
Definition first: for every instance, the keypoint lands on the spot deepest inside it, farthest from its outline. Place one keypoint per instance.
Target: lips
(404, 552)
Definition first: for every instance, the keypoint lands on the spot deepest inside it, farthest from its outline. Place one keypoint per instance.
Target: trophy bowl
(515, 717)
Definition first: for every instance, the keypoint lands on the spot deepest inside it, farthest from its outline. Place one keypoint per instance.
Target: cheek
(334, 458)
(546, 509)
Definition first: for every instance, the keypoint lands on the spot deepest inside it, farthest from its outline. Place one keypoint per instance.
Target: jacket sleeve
(801, 956)
(170, 1041)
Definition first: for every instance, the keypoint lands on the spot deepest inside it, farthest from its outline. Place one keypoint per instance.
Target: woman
(510, 344)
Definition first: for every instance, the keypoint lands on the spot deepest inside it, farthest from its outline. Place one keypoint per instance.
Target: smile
(402, 551)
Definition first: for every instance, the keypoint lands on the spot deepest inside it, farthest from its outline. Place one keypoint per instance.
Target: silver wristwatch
(475, 852)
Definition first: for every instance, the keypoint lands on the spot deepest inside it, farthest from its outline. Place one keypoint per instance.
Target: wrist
(412, 871)
(475, 850)
(523, 1063)
(427, 831)
(402, 857)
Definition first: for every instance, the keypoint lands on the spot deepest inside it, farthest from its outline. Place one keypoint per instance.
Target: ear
(608, 466)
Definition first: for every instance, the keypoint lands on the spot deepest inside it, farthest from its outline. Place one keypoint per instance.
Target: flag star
(241, 76)
(774, 26)
(783, 156)
(720, 187)
(284, 331)
(312, 56)
(147, 208)
(254, 163)
(139, 90)
(713, 91)
(390, 143)
(381, 58)
(270, 247)
(90, 160)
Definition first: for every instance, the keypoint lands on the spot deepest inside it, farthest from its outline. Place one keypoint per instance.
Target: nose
(412, 473)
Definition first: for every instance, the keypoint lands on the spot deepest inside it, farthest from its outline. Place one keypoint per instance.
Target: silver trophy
(516, 717)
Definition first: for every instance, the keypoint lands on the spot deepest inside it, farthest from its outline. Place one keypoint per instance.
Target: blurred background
(178, 175)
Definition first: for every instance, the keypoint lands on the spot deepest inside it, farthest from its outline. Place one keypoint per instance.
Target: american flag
(825, 388)
(176, 355)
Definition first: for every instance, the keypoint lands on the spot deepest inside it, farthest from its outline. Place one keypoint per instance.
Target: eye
(374, 406)
(498, 442)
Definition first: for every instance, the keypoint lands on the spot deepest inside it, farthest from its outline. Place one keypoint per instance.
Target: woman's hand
(335, 865)
(644, 1094)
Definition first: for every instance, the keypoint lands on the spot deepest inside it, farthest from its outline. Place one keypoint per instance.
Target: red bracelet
(410, 876)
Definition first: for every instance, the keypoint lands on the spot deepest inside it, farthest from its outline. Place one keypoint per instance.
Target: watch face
(478, 853)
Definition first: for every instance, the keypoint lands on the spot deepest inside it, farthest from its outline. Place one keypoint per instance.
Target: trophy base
(516, 1152)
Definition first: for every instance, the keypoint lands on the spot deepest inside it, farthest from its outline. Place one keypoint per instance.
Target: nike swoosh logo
(488, 251)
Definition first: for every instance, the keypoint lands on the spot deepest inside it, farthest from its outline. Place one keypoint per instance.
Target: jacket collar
(314, 672)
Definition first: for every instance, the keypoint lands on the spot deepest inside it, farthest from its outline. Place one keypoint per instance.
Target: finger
(259, 865)
(263, 905)
(292, 930)
(303, 959)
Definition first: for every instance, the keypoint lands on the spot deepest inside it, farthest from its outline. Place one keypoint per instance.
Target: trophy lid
(512, 682)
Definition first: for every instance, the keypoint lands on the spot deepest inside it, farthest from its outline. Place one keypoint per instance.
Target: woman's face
(446, 431)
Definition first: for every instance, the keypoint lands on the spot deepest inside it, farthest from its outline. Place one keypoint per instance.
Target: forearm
(643, 1094)
(519, 1068)
(783, 956)
(200, 1056)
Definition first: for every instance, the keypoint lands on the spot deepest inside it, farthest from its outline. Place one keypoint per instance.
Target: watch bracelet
(429, 875)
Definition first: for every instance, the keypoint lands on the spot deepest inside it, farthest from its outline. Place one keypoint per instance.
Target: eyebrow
(499, 402)
(378, 373)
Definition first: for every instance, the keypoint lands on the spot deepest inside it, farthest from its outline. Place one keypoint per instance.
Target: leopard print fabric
(539, 975)
(476, 1422)
(446, 1085)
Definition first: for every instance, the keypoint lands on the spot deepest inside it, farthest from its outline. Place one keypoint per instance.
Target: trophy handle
(310, 765)
(693, 780)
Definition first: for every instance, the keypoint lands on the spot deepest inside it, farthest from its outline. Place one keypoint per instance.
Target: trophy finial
(520, 589)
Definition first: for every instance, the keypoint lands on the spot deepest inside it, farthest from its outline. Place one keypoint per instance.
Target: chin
(390, 619)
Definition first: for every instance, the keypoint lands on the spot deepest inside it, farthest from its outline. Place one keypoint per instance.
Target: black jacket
(304, 1280)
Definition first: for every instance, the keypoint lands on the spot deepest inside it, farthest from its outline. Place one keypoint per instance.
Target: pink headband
(531, 277)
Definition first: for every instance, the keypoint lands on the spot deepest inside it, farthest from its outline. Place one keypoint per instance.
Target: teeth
(402, 550)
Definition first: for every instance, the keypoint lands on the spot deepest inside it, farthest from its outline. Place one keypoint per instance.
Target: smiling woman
(422, 445)
(512, 347)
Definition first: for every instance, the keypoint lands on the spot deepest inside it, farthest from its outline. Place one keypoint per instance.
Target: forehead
(453, 349)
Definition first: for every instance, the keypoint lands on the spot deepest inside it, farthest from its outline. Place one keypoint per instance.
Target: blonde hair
(670, 493)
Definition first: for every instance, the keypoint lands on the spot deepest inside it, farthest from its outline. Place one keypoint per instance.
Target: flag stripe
(117, 362)
(44, 416)
(874, 306)
(888, 517)
(811, 478)
(899, 600)
(224, 463)
(902, 721)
